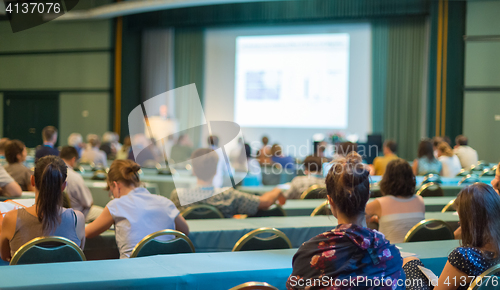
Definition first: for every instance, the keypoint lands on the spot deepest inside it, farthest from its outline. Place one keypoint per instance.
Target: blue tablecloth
(199, 271)
(302, 207)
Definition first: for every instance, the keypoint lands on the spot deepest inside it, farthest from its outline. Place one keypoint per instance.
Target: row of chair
(54, 249)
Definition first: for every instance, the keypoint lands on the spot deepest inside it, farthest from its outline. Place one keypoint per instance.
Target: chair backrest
(430, 189)
(251, 241)
(449, 207)
(464, 172)
(489, 171)
(150, 246)
(271, 174)
(50, 249)
(254, 286)
(314, 192)
(99, 175)
(323, 209)
(202, 211)
(429, 230)
(274, 210)
(469, 179)
(488, 280)
(431, 177)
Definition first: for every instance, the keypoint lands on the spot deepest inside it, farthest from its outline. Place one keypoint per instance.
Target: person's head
(49, 181)
(213, 141)
(49, 134)
(478, 207)
(435, 141)
(313, 164)
(108, 137)
(425, 149)
(123, 175)
(69, 155)
(75, 140)
(398, 179)
(204, 162)
(3, 142)
(444, 149)
(345, 148)
(276, 150)
(390, 147)
(495, 183)
(461, 140)
(348, 186)
(15, 151)
(93, 140)
(265, 140)
(126, 142)
(447, 140)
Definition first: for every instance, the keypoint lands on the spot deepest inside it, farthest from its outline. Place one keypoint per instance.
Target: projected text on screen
(292, 80)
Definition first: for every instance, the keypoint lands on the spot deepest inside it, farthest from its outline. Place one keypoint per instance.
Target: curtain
(399, 61)
(189, 68)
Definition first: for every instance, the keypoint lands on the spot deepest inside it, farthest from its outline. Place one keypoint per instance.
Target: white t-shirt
(466, 155)
(138, 214)
(451, 166)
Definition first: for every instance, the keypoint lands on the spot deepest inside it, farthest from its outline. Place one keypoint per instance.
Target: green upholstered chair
(50, 249)
(150, 246)
(202, 211)
(275, 239)
(429, 230)
(430, 189)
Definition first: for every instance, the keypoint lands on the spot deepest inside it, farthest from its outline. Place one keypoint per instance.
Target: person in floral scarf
(351, 256)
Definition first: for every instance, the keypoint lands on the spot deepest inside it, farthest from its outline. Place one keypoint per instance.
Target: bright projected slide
(294, 81)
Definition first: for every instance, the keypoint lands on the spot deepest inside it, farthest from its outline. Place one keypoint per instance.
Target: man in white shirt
(79, 194)
(465, 153)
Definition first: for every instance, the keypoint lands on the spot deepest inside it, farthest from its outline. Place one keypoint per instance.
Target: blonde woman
(451, 164)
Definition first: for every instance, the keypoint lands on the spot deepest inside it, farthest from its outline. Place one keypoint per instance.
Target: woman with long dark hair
(478, 208)
(46, 217)
(350, 250)
(426, 162)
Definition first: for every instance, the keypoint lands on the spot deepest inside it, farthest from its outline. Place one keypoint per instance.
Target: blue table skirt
(199, 271)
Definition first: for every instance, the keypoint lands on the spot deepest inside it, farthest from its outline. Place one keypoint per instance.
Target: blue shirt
(425, 166)
(285, 161)
(138, 214)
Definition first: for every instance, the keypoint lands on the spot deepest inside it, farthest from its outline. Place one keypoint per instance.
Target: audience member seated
(75, 140)
(350, 250)
(228, 200)
(125, 150)
(299, 184)
(182, 149)
(379, 163)
(135, 212)
(222, 167)
(79, 194)
(495, 183)
(465, 153)
(3, 142)
(46, 217)
(343, 149)
(399, 209)
(449, 161)
(9, 187)
(435, 142)
(15, 153)
(92, 154)
(478, 209)
(109, 145)
(426, 162)
(264, 155)
(49, 136)
(286, 162)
